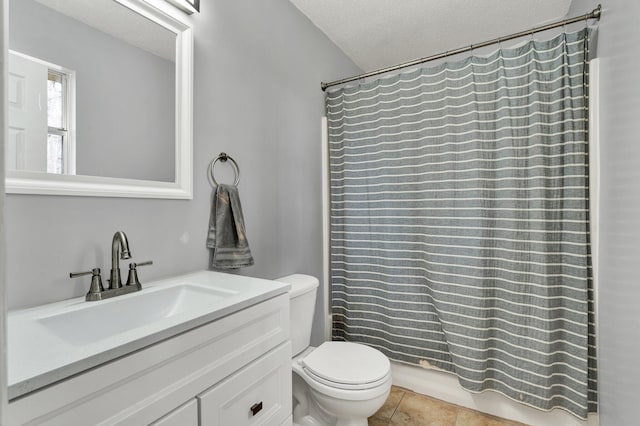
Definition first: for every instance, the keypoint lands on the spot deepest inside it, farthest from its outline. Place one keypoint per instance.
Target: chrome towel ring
(223, 157)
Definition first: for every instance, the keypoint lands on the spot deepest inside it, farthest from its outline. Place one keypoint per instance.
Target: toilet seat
(377, 389)
(346, 365)
(344, 386)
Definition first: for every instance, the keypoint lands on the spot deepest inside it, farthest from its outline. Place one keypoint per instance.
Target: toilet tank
(303, 302)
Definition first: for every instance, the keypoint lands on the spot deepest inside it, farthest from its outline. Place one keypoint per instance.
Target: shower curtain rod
(594, 14)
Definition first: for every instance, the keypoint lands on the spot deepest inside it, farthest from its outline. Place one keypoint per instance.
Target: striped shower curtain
(459, 221)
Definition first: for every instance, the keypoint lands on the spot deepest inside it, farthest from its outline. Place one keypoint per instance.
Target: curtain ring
(223, 157)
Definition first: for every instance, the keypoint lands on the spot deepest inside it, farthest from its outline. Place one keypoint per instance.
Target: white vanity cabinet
(185, 415)
(233, 371)
(252, 396)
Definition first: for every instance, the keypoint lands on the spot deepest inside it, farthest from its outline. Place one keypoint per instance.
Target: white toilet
(337, 383)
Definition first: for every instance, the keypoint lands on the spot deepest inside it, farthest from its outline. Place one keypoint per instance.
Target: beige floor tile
(419, 410)
(376, 421)
(390, 405)
(475, 418)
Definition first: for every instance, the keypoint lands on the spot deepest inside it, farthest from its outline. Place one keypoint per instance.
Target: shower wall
(619, 292)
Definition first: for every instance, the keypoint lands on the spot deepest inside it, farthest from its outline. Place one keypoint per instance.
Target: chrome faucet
(119, 250)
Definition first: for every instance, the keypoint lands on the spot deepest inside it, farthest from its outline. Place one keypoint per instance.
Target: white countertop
(38, 356)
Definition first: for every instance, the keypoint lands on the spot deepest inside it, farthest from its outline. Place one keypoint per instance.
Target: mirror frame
(25, 182)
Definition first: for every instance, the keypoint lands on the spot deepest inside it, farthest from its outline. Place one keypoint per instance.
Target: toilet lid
(347, 363)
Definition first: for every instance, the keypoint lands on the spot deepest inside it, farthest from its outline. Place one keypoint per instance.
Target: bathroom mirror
(100, 99)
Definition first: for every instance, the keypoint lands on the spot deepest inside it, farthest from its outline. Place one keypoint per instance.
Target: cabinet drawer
(185, 415)
(259, 394)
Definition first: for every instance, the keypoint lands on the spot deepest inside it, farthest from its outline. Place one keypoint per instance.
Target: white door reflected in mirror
(41, 116)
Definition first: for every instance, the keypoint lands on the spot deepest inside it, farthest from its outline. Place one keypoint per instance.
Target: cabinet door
(259, 394)
(185, 415)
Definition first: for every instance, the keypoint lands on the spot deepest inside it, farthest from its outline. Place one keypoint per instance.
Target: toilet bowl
(337, 383)
(347, 381)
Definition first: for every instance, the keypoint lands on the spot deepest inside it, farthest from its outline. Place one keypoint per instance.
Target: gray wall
(3, 137)
(258, 67)
(125, 95)
(619, 295)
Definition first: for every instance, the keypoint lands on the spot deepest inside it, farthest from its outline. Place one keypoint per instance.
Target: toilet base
(312, 408)
(359, 422)
(351, 413)
(306, 411)
(312, 421)
(307, 421)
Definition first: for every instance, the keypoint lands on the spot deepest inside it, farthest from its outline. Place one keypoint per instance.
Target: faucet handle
(80, 274)
(96, 288)
(132, 279)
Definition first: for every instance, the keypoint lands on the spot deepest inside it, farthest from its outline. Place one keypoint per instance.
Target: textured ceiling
(380, 33)
(120, 22)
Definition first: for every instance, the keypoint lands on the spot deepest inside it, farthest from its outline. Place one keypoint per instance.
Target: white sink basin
(125, 313)
(49, 343)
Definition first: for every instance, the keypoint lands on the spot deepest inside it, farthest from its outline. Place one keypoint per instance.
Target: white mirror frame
(24, 182)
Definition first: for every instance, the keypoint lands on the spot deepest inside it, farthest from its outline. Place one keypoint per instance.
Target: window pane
(54, 104)
(54, 154)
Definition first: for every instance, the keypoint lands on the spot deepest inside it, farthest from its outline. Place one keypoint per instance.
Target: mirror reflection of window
(57, 119)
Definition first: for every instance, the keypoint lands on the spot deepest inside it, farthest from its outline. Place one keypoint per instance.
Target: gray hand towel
(227, 236)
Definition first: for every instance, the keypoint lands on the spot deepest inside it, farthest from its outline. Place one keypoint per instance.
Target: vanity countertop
(52, 342)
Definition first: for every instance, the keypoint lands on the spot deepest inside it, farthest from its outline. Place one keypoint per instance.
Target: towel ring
(223, 157)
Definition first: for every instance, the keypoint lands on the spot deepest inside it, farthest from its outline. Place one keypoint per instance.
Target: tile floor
(406, 408)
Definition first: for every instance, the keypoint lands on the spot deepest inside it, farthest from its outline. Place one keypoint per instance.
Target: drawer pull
(255, 408)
